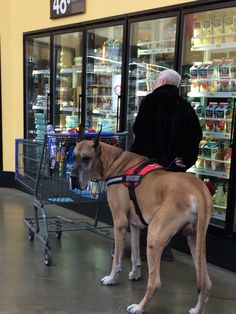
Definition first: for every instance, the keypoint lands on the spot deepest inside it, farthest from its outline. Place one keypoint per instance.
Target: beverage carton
(207, 31)
(222, 111)
(194, 74)
(210, 115)
(197, 32)
(200, 111)
(227, 72)
(217, 25)
(229, 28)
(210, 149)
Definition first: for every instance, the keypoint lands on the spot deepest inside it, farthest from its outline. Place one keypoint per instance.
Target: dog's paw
(108, 281)
(135, 309)
(135, 274)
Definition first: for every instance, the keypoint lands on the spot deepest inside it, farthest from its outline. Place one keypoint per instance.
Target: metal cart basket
(44, 169)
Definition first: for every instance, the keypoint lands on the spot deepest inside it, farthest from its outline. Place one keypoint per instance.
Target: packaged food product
(227, 159)
(227, 72)
(219, 197)
(199, 162)
(222, 112)
(195, 69)
(217, 25)
(200, 111)
(197, 33)
(207, 31)
(194, 74)
(207, 73)
(210, 114)
(229, 28)
(210, 150)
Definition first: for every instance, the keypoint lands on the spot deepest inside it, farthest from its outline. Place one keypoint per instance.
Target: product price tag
(61, 8)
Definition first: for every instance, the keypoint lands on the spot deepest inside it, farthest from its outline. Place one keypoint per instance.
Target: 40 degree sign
(61, 8)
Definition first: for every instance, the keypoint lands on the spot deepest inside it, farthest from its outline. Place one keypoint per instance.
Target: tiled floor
(72, 284)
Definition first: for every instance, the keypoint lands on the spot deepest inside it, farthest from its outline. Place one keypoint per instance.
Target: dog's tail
(203, 280)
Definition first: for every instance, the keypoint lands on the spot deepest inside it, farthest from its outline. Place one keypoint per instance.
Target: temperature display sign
(61, 8)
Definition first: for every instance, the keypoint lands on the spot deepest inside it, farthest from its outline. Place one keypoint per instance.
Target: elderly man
(166, 128)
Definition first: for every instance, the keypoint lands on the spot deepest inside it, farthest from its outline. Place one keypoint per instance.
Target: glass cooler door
(151, 50)
(209, 84)
(103, 77)
(68, 49)
(37, 71)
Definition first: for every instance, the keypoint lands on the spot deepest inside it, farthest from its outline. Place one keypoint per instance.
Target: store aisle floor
(72, 284)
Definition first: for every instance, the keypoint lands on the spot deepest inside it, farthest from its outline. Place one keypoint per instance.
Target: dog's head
(87, 163)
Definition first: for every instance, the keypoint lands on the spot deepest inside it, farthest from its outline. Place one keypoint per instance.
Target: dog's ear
(96, 143)
(80, 134)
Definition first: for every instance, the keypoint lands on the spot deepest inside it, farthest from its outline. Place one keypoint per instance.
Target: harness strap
(133, 198)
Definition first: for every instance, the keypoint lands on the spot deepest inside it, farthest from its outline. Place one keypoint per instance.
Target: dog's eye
(85, 159)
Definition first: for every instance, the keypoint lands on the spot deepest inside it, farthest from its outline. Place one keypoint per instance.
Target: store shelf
(69, 109)
(41, 72)
(143, 52)
(213, 94)
(70, 71)
(209, 172)
(41, 107)
(218, 216)
(104, 112)
(99, 96)
(218, 135)
(220, 46)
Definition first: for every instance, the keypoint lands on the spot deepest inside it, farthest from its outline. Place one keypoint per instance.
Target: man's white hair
(170, 76)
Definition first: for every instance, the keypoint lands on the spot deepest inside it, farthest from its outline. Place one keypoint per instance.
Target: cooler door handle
(79, 108)
(118, 114)
(232, 127)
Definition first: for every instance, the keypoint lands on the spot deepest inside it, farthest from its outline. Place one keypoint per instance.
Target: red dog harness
(132, 178)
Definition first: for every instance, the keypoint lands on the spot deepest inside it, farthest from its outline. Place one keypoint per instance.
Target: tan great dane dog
(169, 202)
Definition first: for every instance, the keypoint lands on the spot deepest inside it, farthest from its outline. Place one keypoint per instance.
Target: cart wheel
(59, 234)
(30, 235)
(47, 257)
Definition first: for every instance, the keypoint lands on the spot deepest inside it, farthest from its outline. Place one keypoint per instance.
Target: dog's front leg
(135, 273)
(119, 232)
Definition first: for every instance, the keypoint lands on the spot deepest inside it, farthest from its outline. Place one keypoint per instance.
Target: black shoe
(167, 255)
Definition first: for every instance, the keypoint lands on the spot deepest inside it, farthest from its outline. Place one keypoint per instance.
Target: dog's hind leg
(198, 249)
(135, 273)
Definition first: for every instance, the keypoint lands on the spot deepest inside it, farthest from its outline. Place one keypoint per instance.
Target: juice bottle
(227, 159)
(219, 196)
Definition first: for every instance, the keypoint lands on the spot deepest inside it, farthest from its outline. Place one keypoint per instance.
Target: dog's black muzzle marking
(74, 182)
(74, 179)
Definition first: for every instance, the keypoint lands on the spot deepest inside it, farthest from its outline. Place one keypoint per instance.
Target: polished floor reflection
(72, 284)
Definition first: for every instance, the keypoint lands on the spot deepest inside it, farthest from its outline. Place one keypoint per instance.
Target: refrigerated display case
(97, 72)
(38, 79)
(151, 49)
(209, 83)
(103, 77)
(68, 49)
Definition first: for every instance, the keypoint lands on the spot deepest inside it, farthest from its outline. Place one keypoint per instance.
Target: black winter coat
(167, 127)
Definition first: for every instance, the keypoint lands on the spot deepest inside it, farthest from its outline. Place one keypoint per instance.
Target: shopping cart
(44, 169)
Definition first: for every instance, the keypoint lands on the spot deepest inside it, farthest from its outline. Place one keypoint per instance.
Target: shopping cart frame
(32, 161)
